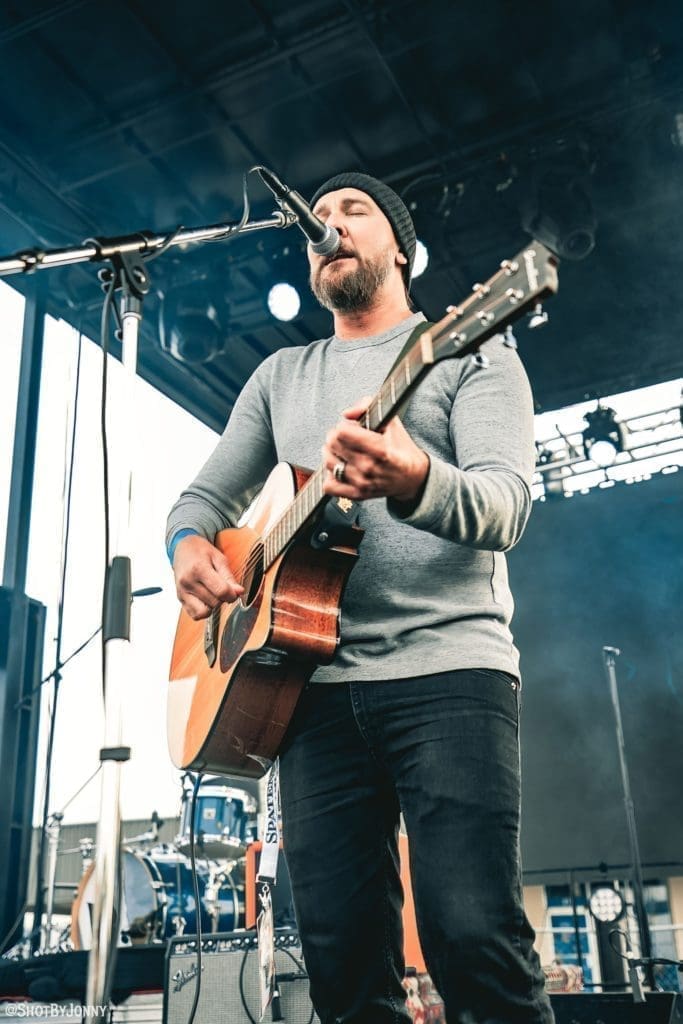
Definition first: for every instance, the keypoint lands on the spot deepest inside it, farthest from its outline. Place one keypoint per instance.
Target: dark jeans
(444, 750)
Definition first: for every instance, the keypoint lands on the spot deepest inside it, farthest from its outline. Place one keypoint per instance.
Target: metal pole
(53, 830)
(106, 908)
(610, 655)
(25, 431)
(575, 919)
(14, 578)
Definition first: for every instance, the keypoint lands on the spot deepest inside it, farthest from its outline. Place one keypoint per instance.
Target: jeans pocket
(504, 691)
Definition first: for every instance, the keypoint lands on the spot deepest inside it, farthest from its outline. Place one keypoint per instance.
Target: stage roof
(484, 116)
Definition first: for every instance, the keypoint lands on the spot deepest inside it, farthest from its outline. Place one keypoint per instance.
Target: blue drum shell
(176, 876)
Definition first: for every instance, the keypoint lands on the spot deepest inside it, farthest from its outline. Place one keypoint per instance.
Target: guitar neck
(309, 500)
(519, 283)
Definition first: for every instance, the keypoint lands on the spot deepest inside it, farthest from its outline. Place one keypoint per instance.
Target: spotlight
(283, 301)
(603, 438)
(190, 328)
(558, 212)
(606, 904)
(421, 259)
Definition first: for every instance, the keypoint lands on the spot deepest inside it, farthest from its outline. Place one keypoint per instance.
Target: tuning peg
(480, 360)
(509, 338)
(537, 317)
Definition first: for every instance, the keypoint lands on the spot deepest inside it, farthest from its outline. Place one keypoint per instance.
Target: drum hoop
(230, 793)
(84, 880)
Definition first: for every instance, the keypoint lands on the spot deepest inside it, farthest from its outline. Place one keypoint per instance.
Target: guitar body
(235, 678)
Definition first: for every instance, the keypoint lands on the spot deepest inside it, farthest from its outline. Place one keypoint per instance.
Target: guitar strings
(257, 553)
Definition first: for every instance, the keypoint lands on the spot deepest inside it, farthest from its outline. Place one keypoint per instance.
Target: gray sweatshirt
(430, 590)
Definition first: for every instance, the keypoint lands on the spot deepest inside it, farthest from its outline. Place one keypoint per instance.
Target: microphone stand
(128, 275)
(610, 655)
(143, 243)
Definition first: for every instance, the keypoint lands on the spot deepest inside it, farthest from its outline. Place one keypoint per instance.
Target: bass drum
(141, 906)
(158, 900)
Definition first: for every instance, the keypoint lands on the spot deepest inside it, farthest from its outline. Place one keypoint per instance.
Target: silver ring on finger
(339, 471)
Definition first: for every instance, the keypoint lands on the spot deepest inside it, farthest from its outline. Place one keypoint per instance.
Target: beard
(354, 290)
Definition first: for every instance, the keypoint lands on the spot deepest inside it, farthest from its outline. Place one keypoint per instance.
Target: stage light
(603, 438)
(558, 211)
(421, 259)
(190, 327)
(606, 904)
(283, 301)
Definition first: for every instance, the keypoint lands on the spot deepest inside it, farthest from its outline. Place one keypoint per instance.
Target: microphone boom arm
(145, 243)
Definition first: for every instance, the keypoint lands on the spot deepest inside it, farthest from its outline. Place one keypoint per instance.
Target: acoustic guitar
(236, 676)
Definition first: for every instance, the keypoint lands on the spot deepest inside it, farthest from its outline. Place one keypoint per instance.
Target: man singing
(418, 712)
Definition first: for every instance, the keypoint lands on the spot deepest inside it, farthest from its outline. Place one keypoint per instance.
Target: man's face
(348, 281)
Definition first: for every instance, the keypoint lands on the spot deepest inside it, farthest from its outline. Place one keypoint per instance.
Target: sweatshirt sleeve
(236, 469)
(482, 499)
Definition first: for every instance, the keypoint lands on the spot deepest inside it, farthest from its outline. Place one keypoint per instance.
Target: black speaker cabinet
(229, 991)
(617, 1008)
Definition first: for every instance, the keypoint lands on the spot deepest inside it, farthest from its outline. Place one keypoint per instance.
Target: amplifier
(229, 991)
(617, 1008)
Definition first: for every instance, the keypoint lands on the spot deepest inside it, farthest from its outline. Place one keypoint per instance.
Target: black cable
(14, 926)
(25, 701)
(300, 967)
(640, 961)
(166, 244)
(28, 699)
(197, 904)
(243, 996)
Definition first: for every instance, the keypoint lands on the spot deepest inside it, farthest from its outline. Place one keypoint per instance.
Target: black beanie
(389, 202)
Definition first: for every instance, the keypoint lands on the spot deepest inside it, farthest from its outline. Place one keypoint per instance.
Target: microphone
(324, 240)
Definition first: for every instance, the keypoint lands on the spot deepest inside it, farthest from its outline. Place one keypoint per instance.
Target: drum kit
(158, 898)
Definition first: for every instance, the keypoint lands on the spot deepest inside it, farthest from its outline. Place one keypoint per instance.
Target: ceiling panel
(146, 115)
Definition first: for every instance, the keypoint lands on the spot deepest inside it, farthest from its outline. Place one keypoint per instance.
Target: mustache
(339, 254)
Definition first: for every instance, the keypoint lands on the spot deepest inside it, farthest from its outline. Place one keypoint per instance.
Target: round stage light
(603, 438)
(283, 301)
(421, 259)
(606, 904)
(603, 453)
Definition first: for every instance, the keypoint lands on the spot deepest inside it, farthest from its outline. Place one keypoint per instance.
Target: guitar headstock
(517, 286)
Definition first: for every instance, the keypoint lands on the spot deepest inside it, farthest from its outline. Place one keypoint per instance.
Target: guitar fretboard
(308, 500)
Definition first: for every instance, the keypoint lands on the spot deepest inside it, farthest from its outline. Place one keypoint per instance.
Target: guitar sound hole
(253, 575)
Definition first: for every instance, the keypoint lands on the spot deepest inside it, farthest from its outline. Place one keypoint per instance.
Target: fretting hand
(364, 464)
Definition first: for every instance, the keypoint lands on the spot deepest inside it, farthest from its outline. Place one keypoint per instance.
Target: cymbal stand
(54, 829)
(211, 891)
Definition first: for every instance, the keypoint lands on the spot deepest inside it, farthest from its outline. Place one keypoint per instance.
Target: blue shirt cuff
(170, 550)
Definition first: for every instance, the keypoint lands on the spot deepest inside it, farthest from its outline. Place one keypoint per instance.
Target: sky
(170, 445)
